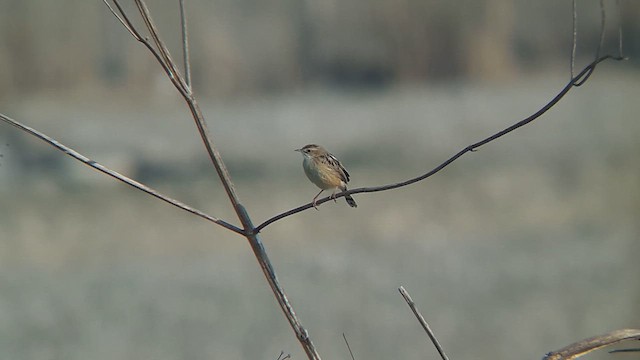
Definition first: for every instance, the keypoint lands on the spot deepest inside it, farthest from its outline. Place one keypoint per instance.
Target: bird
(326, 171)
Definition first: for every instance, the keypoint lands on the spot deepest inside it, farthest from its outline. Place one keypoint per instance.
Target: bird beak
(298, 150)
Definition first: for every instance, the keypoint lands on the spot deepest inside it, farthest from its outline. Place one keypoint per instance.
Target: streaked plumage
(325, 170)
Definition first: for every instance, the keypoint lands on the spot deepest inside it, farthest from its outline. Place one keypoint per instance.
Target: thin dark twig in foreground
(471, 148)
(422, 321)
(76, 155)
(348, 347)
(282, 356)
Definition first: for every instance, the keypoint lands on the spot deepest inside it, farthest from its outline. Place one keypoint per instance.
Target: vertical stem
(278, 291)
(575, 36)
(423, 322)
(185, 45)
(603, 24)
(253, 238)
(619, 29)
(248, 231)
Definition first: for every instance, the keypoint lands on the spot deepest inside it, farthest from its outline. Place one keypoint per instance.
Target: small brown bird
(325, 170)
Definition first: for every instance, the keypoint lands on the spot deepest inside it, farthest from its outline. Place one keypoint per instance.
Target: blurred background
(521, 248)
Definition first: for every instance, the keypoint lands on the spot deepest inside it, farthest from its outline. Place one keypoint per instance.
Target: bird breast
(322, 174)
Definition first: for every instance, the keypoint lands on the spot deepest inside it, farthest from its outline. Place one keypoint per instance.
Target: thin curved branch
(114, 174)
(580, 78)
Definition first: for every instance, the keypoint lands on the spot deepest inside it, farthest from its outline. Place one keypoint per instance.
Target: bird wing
(335, 163)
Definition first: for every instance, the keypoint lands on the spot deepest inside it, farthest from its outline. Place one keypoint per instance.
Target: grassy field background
(521, 248)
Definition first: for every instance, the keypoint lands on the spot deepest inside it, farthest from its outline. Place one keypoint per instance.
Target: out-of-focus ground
(520, 248)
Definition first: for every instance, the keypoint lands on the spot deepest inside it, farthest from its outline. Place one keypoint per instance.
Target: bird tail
(350, 201)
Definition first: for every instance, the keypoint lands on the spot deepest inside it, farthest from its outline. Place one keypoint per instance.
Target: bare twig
(422, 321)
(603, 24)
(261, 255)
(185, 45)
(600, 45)
(619, 28)
(174, 73)
(624, 350)
(76, 155)
(283, 356)
(471, 148)
(348, 347)
(586, 346)
(164, 58)
(123, 19)
(126, 22)
(575, 36)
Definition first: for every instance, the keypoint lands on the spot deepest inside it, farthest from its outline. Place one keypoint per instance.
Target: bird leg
(333, 195)
(316, 198)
